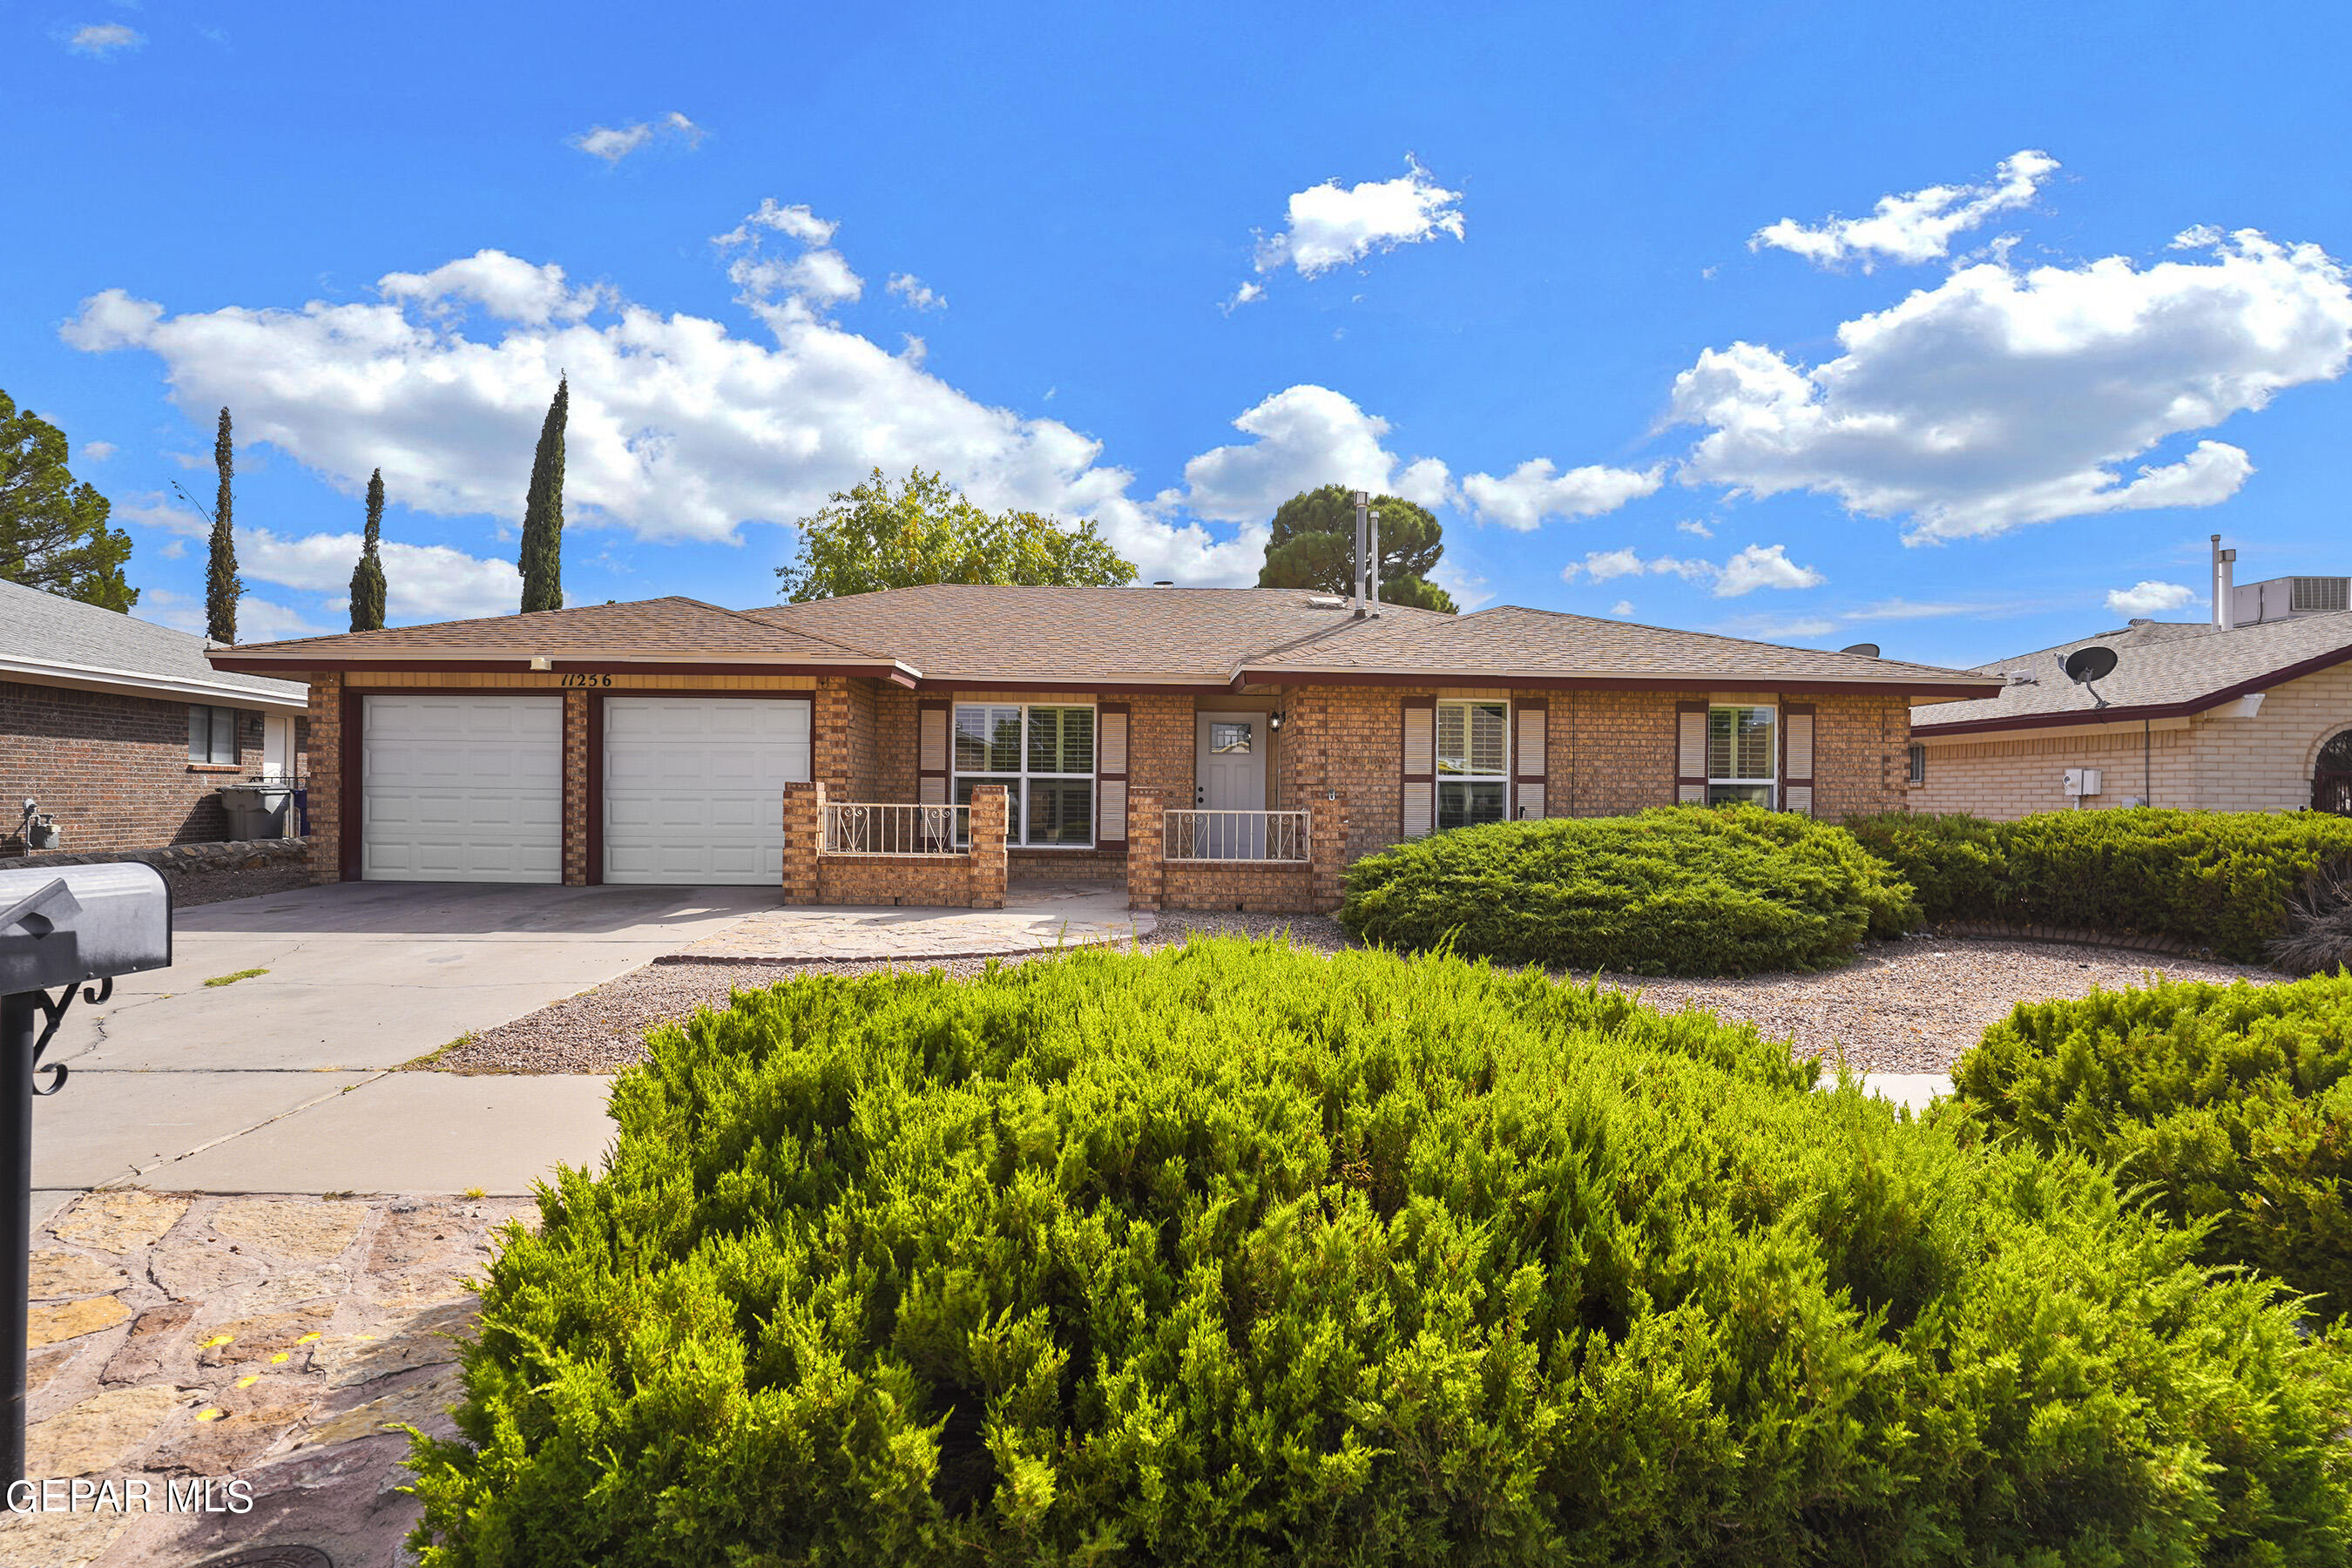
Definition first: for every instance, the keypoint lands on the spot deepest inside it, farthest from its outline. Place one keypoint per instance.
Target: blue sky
(1957, 332)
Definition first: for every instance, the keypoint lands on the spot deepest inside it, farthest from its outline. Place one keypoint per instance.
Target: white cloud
(153, 509)
(422, 581)
(1758, 567)
(1769, 629)
(1753, 568)
(2148, 598)
(1307, 436)
(1468, 590)
(2004, 397)
(1331, 225)
(786, 291)
(100, 39)
(98, 451)
(1916, 226)
(1621, 607)
(918, 295)
(1695, 528)
(1425, 482)
(615, 143)
(679, 429)
(508, 287)
(796, 222)
(1536, 490)
(257, 620)
(1905, 610)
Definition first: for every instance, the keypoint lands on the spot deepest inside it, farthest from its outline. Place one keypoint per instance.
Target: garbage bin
(256, 810)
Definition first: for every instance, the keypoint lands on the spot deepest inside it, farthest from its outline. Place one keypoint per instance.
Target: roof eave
(95, 677)
(1919, 688)
(2119, 711)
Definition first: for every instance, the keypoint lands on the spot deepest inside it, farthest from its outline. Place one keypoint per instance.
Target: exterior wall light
(538, 661)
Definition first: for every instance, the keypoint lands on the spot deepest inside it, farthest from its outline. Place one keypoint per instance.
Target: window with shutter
(1690, 753)
(1797, 757)
(1417, 807)
(1529, 781)
(1111, 775)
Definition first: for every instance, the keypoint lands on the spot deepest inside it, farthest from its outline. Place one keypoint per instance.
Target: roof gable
(46, 637)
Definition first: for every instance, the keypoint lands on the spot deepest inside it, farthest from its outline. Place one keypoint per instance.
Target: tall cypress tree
(367, 577)
(221, 585)
(541, 560)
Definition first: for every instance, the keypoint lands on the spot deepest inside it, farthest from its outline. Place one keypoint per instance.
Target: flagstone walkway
(1036, 917)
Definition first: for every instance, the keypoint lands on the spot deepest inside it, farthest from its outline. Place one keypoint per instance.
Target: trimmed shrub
(2233, 1103)
(2218, 879)
(2318, 922)
(1232, 1255)
(1674, 891)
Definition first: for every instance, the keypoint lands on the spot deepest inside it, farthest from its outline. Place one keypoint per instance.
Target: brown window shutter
(1797, 757)
(1417, 803)
(1532, 719)
(1690, 753)
(1111, 720)
(932, 753)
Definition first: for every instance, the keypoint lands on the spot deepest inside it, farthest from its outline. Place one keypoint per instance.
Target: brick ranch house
(122, 731)
(2201, 716)
(1213, 747)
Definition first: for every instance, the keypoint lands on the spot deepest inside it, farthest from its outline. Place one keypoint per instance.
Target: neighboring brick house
(122, 731)
(2200, 716)
(1208, 745)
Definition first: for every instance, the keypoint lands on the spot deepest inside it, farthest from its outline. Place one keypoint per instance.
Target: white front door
(278, 745)
(461, 789)
(694, 787)
(1229, 753)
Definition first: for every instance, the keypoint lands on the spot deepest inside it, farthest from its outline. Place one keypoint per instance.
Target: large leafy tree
(1313, 545)
(222, 585)
(541, 560)
(869, 538)
(367, 577)
(53, 530)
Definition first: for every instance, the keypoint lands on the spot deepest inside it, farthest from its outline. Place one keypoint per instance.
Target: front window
(211, 735)
(1474, 760)
(1044, 758)
(1918, 764)
(1740, 749)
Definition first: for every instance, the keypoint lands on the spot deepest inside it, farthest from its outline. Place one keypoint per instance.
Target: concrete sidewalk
(279, 1081)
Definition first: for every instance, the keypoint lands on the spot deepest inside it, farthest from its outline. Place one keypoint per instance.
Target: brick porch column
(1145, 829)
(990, 804)
(803, 841)
(576, 826)
(1326, 850)
(325, 782)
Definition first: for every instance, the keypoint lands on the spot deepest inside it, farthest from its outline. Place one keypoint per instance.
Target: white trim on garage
(693, 787)
(461, 788)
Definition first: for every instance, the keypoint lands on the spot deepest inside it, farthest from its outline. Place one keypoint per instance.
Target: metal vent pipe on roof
(1362, 503)
(2225, 612)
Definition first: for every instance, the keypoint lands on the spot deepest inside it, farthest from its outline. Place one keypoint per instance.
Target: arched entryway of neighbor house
(2331, 774)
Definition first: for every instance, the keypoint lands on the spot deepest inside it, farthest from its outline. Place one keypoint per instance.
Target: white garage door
(462, 789)
(694, 787)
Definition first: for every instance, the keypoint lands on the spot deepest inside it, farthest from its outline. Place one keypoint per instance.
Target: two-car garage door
(469, 788)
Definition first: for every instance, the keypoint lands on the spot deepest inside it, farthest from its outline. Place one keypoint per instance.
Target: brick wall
(973, 880)
(2210, 762)
(576, 826)
(1859, 754)
(113, 770)
(326, 753)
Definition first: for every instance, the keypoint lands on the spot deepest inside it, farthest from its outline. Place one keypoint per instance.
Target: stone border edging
(235, 855)
(2073, 936)
(805, 960)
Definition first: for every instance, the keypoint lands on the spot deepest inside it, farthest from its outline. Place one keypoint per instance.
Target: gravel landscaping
(1908, 1006)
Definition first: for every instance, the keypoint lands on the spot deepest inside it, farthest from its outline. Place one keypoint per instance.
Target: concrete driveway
(226, 1087)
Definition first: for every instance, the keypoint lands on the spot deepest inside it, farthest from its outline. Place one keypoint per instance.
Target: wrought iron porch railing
(1279, 836)
(873, 828)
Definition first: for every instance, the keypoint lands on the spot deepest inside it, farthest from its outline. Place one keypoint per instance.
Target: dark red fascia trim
(2120, 714)
(291, 671)
(1612, 683)
(1073, 683)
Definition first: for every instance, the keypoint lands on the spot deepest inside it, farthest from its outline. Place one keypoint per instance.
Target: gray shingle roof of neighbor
(673, 625)
(2170, 665)
(951, 631)
(1508, 641)
(45, 637)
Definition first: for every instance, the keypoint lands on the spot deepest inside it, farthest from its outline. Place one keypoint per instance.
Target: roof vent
(1325, 602)
(1165, 582)
(2143, 620)
(1867, 649)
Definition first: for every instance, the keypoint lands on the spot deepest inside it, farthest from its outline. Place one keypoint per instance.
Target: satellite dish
(1867, 650)
(2089, 663)
(2085, 665)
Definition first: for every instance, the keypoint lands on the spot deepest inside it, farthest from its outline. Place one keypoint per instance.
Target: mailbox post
(62, 926)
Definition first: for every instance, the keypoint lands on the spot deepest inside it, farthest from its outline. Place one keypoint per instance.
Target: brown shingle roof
(2172, 665)
(673, 625)
(1509, 641)
(952, 632)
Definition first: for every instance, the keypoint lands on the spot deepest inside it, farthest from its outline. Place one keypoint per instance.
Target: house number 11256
(571, 678)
